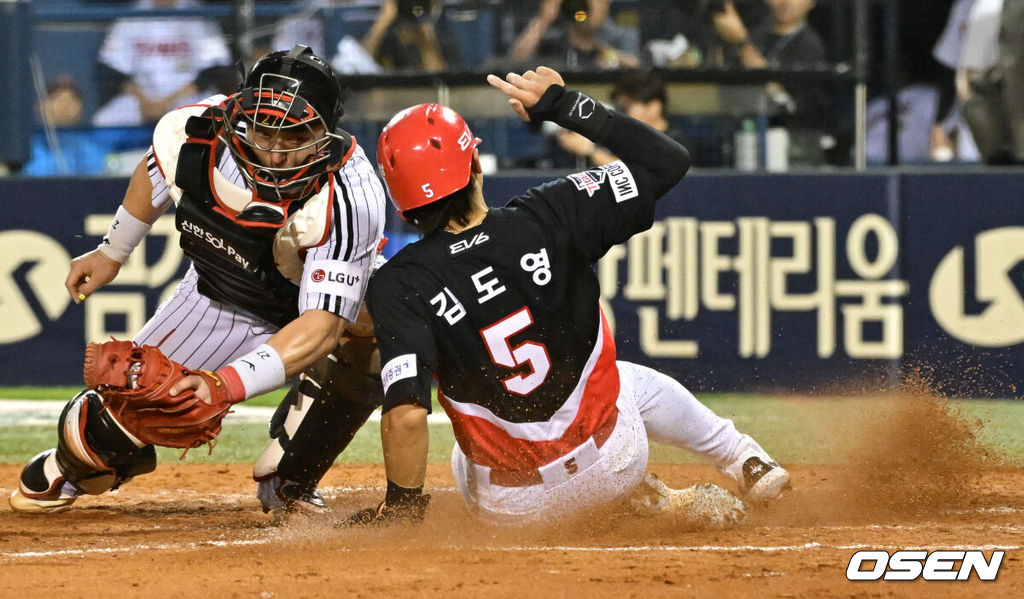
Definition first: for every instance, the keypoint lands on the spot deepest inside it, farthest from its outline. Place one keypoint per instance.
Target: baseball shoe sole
(26, 505)
(703, 506)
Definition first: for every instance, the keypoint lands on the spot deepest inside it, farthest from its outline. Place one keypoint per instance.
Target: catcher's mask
(289, 104)
(425, 154)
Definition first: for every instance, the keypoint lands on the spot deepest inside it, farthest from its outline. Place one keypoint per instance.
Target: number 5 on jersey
(534, 355)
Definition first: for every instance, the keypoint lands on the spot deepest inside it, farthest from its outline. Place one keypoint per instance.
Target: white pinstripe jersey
(350, 247)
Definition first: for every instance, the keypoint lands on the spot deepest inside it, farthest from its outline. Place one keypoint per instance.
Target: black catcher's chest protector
(235, 263)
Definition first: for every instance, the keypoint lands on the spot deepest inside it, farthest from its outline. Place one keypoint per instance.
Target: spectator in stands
(403, 37)
(576, 34)
(950, 136)
(59, 148)
(62, 105)
(993, 79)
(305, 26)
(786, 40)
(676, 33)
(637, 94)
(156, 63)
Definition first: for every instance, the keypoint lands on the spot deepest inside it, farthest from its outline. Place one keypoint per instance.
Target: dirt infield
(196, 530)
(907, 478)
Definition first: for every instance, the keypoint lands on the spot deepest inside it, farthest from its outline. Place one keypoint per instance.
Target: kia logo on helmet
(465, 140)
(318, 275)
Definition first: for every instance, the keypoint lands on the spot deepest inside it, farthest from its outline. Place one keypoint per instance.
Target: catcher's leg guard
(316, 421)
(93, 455)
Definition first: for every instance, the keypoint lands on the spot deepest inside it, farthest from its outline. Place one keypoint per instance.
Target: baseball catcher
(281, 216)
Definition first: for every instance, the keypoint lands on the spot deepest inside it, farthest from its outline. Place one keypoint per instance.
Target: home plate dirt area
(191, 530)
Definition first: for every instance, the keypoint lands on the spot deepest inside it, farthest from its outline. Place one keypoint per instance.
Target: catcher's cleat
(286, 497)
(28, 505)
(760, 479)
(704, 506)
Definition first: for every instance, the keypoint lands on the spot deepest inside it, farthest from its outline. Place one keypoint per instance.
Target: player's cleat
(42, 488)
(760, 479)
(704, 506)
(56, 502)
(287, 497)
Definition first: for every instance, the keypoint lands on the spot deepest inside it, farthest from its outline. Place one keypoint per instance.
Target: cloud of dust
(898, 453)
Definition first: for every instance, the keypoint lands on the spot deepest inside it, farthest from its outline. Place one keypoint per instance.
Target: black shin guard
(317, 420)
(93, 452)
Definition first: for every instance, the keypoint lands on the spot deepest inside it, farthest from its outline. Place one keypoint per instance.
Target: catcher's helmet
(287, 91)
(425, 153)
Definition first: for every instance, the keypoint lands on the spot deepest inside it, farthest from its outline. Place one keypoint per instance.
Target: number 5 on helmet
(425, 153)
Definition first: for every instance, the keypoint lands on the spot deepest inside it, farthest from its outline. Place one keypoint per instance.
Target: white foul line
(512, 549)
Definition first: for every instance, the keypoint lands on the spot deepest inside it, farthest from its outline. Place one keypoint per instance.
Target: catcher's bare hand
(88, 273)
(525, 90)
(192, 382)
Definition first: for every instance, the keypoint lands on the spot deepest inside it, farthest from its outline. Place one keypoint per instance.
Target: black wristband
(579, 112)
(544, 109)
(397, 496)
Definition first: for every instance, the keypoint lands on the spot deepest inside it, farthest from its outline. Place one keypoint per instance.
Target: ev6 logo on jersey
(914, 564)
(464, 244)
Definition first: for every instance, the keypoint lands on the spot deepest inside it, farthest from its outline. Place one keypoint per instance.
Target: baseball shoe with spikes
(759, 478)
(704, 506)
(285, 497)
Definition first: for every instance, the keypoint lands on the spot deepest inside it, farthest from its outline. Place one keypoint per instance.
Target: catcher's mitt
(135, 383)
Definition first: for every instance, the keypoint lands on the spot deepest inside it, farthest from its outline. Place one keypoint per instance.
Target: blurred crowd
(954, 104)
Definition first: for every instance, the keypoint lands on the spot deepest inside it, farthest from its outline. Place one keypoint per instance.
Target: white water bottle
(746, 147)
(776, 141)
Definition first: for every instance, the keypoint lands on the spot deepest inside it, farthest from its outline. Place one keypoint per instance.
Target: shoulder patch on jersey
(334, 277)
(398, 368)
(622, 182)
(588, 181)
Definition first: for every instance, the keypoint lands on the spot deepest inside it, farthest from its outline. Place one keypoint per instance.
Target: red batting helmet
(425, 153)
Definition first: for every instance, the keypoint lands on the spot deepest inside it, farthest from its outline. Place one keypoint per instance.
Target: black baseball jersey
(506, 316)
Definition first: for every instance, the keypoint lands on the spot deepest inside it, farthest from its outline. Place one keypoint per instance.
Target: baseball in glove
(135, 382)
